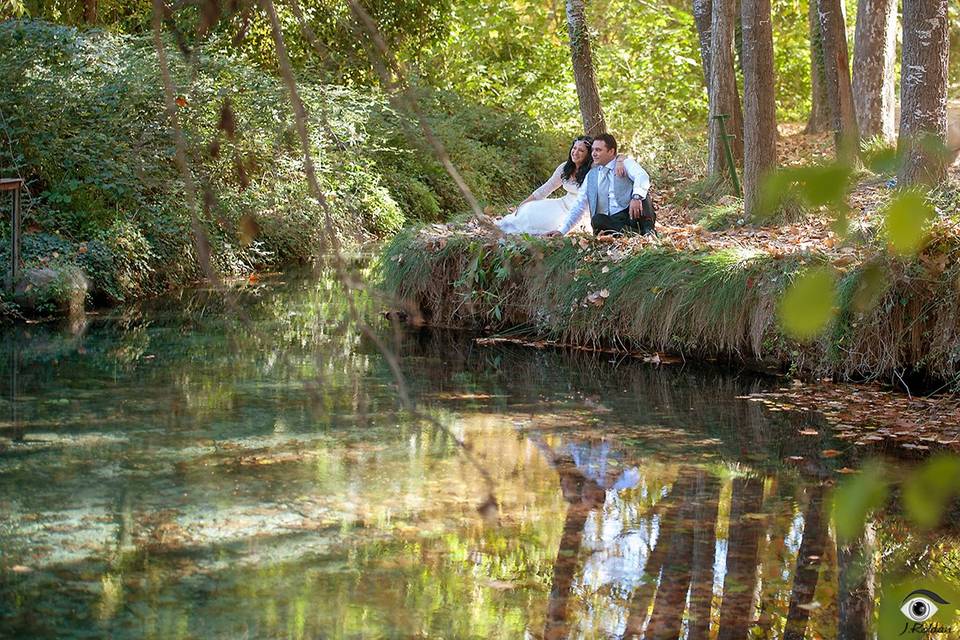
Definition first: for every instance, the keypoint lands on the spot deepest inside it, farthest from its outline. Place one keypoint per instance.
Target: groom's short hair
(608, 140)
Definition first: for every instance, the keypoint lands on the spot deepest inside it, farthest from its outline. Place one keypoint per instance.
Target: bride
(538, 215)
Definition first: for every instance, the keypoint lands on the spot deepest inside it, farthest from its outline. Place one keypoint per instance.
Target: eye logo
(921, 605)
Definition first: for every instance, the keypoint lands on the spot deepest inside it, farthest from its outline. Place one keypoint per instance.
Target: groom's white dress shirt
(636, 173)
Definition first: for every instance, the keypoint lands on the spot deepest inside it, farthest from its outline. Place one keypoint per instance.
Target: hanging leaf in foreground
(905, 220)
(808, 304)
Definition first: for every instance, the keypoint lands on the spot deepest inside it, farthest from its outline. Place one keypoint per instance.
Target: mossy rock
(54, 290)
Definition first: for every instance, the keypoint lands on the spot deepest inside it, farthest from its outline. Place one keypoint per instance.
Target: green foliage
(905, 221)
(100, 160)
(855, 498)
(928, 490)
(807, 306)
(721, 215)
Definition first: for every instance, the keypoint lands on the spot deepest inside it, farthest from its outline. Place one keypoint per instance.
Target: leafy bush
(83, 112)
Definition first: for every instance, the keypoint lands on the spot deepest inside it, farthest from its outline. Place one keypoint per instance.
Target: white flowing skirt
(543, 216)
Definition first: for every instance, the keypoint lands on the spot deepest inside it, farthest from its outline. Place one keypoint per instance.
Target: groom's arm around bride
(615, 202)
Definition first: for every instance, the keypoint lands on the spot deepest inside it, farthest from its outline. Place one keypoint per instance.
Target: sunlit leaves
(855, 497)
(905, 221)
(926, 492)
(808, 305)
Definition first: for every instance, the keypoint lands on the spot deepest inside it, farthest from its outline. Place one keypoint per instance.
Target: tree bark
(702, 16)
(724, 97)
(923, 91)
(759, 101)
(836, 62)
(583, 76)
(874, 54)
(820, 106)
(857, 579)
(90, 11)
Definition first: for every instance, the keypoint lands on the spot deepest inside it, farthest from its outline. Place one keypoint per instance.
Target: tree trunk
(704, 547)
(759, 102)
(666, 619)
(724, 97)
(670, 522)
(740, 580)
(702, 15)
(590, 110)
(583, 495)
(874, 53)
(90, 11)
(856, 580)
(820, 106)
(809, 557)
(836, 62)
(923, 91)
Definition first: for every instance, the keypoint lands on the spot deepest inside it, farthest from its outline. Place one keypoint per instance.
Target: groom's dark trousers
(621, 223)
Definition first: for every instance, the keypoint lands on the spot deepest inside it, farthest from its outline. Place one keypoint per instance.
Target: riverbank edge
(894, 319)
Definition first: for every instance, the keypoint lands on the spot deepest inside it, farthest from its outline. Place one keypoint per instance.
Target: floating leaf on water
(809, 432)
(830, 453)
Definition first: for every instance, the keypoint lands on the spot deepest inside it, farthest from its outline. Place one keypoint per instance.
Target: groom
(617, 203)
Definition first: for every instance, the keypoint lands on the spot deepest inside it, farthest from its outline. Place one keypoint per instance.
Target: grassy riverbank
(891, 316)
(107, 217)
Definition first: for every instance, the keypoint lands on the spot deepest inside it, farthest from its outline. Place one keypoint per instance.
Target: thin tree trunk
(809, 557)
(582, 495)
(740, 581)
(857, 579)
(583, 76)
(759, 102)
(874, 54)
(669, 523)
(90, 11)
(702, 16)
(836, 62)
(923, 91)
(671, 599)
(704, 545)
(820, 106)
(724, 97)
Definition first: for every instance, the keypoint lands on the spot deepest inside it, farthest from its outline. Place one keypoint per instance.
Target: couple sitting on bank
(606, 192)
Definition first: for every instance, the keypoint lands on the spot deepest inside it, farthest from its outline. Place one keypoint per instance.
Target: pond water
(238, 466)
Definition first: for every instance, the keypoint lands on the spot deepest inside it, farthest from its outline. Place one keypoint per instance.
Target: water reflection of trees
(731, 541)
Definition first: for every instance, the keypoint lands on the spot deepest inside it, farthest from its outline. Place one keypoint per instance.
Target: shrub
(100, 162)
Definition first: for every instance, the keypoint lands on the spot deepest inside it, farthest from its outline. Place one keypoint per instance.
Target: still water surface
(210, 467)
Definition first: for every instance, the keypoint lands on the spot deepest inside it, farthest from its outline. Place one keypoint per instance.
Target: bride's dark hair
(571, 166)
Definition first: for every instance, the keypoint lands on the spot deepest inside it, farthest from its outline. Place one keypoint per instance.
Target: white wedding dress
(543, 215)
